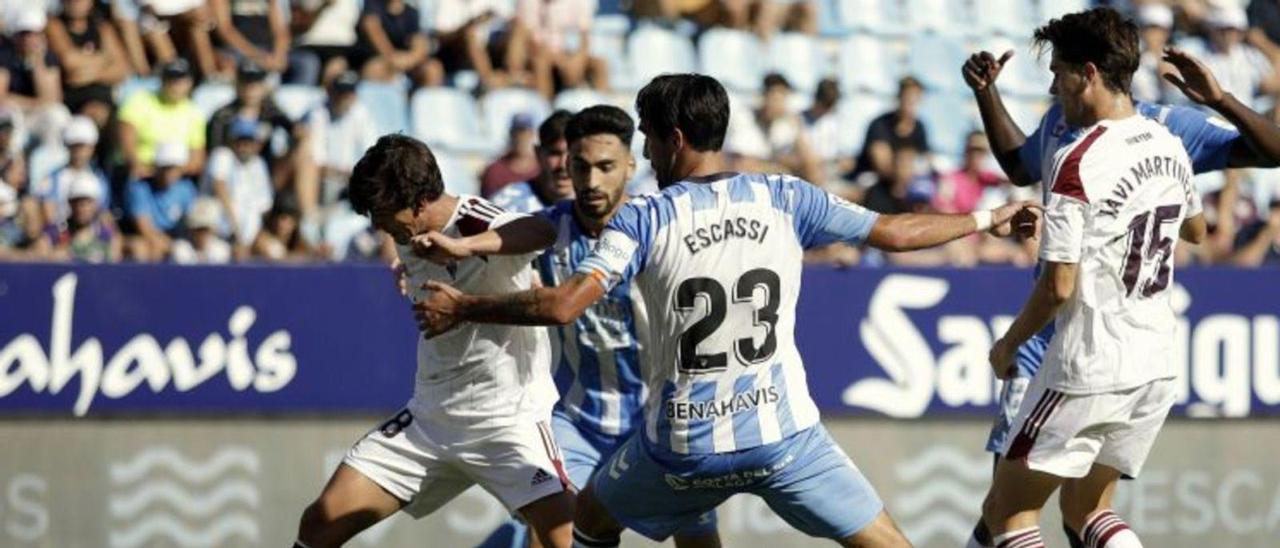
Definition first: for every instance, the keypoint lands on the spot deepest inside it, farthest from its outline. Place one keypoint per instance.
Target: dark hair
(695, 103)
(397, 172)
(598, 120)
(827, 92)
(552, 129)
(909, 82)
(1100, 36)
(774, 79)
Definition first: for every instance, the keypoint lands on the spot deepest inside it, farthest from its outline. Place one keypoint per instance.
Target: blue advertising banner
(100, 340)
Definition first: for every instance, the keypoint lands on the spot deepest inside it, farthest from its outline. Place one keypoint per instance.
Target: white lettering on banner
(142, 359)
(26, 516)
(1227, 359)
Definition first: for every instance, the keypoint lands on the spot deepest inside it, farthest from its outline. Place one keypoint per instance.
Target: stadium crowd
(223, 131)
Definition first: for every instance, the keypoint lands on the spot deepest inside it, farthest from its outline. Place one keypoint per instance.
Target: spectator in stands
(158, 203)
(280, 239)
(13, 233)
(390, 41)
(1241, 70)
(1259, 243)
(255, 30)
(13, 165)
(901, 191)
(559, 44)
(552, 183)
(766, 17)
(172, 26)
(92, 58)
(202, 244)
(253, 101)
(703, 13)
(80, 138)
(1156, 23)
(238, 177)
(1264, 28)
(327, 29)
(85, 234)
(125, 18)
(822, 130)
(962, 189)
(518, 163)
(893, 130)
(341, 130)
(147, 119)
(473, 33)
(34, 84)
(784, 131)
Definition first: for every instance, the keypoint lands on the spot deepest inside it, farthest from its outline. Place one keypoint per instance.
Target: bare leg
(349, 504)
(882, 532)
(550, 519)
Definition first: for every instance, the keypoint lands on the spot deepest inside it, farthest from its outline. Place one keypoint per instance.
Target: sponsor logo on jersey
(737, 478)
(742, 401)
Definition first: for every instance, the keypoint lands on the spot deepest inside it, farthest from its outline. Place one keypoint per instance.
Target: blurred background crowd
(218, 131)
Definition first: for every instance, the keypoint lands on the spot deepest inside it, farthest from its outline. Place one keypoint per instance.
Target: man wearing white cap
(157, 204)
(85, 235)
(1155, 24)
(80, 137)
(1241, 69)
(35, 81)
(202, 244)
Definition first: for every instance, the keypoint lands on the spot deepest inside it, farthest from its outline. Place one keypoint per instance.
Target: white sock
(1022, 538)
(1106, 530)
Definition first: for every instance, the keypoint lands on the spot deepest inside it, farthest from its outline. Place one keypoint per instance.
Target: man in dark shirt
(389, 41)
(33, 71)
(253, 101)
(893, 130)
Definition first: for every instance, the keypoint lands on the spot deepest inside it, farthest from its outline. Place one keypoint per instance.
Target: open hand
(1194, 79)
(982, 69)
(1003, 215)
(439, 248)
(438, 313)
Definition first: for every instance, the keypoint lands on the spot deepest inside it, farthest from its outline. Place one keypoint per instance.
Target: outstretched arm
(520, 236)
(447, 307)
(911, 231)
(980, 73)
(1261, 143)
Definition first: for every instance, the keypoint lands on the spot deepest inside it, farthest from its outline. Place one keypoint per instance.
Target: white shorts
(426, 463)
(1065, 434)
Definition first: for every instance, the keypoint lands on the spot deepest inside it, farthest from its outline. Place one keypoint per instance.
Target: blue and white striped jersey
(598, 373)
(518, 197)
(718, 266)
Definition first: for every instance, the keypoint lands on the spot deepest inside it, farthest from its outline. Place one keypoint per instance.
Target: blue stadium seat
(133, 85)
(459, 177)
(884, 17)
(866, 65)
(948, 118)
(448, 118)
(609, 42)
(654, 50)
(577, 99)
(800, 59)
(500, 106)
(1008, 17)
(211, 96)
(387, 104)
(1026, 112)
(296, 100)
(44, 159)
(734, 57)
(936, 60)
(855, 113)
(830, 24)
(1057, 8)
(1026, 74)
(939, 16)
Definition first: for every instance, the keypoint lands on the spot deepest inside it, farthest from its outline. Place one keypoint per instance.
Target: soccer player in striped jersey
(717, 257)
(1248, 140)
(552, 183)
(482, 396)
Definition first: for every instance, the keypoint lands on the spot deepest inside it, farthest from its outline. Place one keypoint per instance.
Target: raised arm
(980, 73)
(526, 234)
(447, 307)
(1261, 137)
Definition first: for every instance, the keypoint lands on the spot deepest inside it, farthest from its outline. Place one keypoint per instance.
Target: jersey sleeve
(1208, 140)
(620, 252)
(1033, 147)
(822, 218)
(1064, 214)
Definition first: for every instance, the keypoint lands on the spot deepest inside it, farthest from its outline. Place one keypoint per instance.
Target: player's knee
(323, 525)
(590, 516)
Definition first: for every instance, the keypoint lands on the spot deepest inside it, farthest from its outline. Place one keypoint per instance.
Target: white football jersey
(1118, 198)
(481, 374)
(718, 265)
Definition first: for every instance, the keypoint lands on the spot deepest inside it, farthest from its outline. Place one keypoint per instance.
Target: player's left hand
(438, 313)
(1196, 81)
(1001, 358)
(439, 248)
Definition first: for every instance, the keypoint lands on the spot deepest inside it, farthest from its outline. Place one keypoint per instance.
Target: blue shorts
(582, 450)
(806, 479)
(1026, 363)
